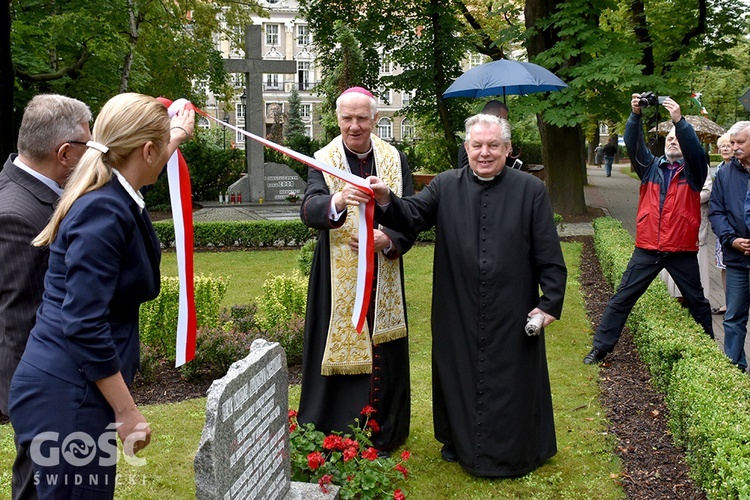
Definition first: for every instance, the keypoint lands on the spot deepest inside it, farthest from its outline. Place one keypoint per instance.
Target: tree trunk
(564, 163)
(440, 80)
(7, 78)
(563, 149)
(132, 42)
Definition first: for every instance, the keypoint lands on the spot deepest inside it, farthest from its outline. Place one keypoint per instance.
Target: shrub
(283, 298)
(707, 397)
(290, 335)
(158, 318)
(305, 257)
(242, 316)
(246, 234)
(217, 347)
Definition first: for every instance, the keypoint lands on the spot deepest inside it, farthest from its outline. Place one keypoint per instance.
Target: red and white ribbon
(366, 258)
(181, 199)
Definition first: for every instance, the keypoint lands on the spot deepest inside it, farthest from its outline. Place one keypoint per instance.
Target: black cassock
(496, 245)
(333, 402)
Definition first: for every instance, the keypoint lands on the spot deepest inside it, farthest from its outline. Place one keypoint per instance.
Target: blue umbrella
(504, 77)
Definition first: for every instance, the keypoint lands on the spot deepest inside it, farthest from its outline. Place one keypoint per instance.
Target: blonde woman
(69, 397)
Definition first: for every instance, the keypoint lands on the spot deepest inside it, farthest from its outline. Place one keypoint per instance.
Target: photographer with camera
(669, 216)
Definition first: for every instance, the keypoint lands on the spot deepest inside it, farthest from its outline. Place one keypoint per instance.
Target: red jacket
(668, 218)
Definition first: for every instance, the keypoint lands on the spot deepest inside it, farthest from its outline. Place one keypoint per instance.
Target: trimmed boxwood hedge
(707, 397)
(250, 234)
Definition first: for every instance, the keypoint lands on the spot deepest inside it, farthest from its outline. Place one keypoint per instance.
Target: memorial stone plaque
(281, 181)
(244, 448)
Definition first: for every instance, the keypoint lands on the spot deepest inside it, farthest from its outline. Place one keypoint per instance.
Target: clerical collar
(360, 156)
(485, 179)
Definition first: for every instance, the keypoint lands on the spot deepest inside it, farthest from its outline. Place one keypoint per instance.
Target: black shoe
(594, 356)
(448, 453)
(384, 454)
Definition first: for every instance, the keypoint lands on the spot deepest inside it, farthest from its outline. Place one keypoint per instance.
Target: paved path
(618, 195)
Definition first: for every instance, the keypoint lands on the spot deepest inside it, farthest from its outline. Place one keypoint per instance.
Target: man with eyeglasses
(52, 138)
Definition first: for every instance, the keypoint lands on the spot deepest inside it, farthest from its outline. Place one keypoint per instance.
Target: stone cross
(254, 66)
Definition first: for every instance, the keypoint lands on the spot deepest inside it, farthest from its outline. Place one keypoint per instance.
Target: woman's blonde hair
(125, 123)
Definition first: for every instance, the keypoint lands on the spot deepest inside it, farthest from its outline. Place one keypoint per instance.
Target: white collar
(136, 195)
(54, 186)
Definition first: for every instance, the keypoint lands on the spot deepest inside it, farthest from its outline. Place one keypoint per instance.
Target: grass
(584, 467)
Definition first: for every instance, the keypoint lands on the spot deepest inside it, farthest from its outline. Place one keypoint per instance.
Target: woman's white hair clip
(99, 147)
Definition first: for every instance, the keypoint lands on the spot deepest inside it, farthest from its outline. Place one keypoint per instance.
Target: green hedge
(158, 318)
(707, 397)
(250, 234)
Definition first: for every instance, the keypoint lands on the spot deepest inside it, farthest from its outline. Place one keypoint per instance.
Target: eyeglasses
(725, 146)
(70, 142)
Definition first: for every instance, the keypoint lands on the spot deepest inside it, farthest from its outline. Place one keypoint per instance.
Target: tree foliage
(94, 49)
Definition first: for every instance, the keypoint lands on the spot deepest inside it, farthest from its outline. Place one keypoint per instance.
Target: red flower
(349, 453)
(292, 427)
(323, 481)
(368, 410)
(333, 442)
(315, 460)
(372, 424)
(399, 495)
(370, 453)
(402, 470)
(405, 455)
(349, 478)
(350, 443)
(292, 413)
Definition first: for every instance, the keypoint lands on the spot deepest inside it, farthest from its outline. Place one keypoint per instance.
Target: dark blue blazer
(103, 264)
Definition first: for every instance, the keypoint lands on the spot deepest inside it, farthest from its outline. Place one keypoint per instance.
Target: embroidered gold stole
(348, 352)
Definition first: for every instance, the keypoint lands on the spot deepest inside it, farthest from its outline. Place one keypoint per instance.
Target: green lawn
(585, 466)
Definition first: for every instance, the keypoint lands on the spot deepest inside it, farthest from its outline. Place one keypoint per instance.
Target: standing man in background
(344, 371)
(666, 234)
(609, 151)
(730, 216)
(52, 138)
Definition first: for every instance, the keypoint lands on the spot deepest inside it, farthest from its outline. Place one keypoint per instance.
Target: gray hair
(738, 127)
(486, 119)
(373, 103)
(50, 120)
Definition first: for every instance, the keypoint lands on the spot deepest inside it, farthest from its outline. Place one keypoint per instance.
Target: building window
(239, 138)
(272, 34)
(272, 81)
(203, 122)
(406, 98)
(304, 80)
(385, 128)
(475, 60)
(407, 129)
(303, 35)
(603, 129)
(305, 111)
(384, 97)
(385, 65)
(308, 131)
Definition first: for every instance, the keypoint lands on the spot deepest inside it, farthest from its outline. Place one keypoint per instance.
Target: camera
(534, 324)
(650, 99)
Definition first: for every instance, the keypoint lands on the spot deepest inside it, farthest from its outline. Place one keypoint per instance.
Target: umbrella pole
(504, 96)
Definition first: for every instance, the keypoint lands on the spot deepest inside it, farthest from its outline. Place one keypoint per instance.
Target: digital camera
(650, 99)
